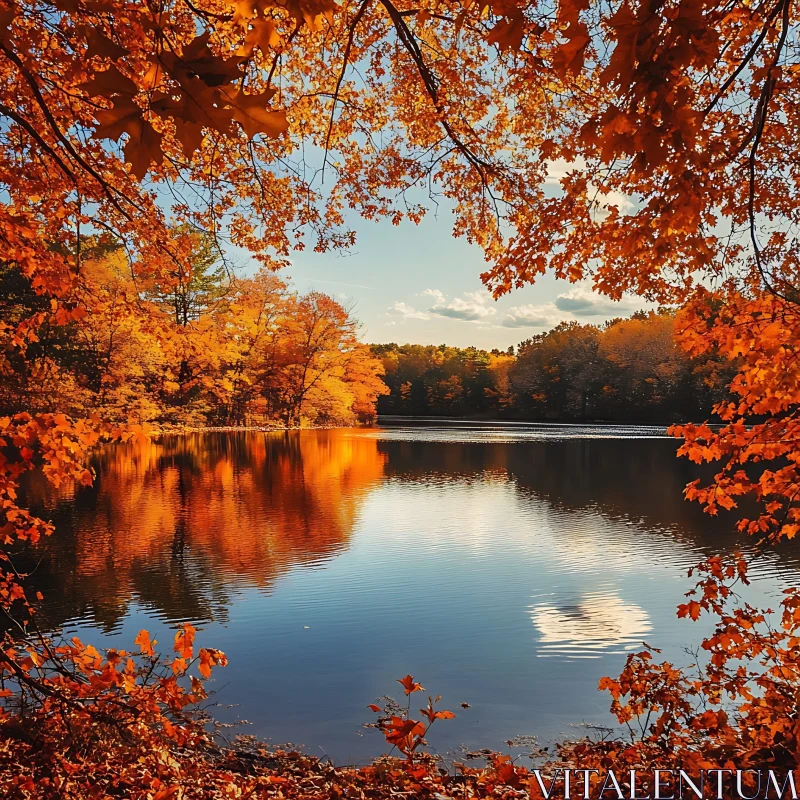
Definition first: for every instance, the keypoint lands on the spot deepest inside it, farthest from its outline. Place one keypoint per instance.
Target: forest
(629, 370)
(192, 348)
(207, 348)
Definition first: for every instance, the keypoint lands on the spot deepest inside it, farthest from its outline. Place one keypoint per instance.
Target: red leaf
(409, 684)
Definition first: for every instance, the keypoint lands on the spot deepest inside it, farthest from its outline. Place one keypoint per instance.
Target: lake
(507, 566)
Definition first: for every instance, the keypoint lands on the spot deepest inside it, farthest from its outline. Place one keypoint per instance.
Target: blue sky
(418, 284)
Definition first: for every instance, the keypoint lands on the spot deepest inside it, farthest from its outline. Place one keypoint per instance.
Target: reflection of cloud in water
(599, 623)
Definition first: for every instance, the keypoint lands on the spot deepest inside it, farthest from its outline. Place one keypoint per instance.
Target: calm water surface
(506, 566)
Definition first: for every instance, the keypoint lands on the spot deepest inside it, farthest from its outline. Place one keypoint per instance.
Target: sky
(418, 284)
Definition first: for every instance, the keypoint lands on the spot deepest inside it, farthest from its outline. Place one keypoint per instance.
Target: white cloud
(472, 307)
(602, 203)
(560, 168)
(583, 302)
(615, 198)
(438, 297)
(546, 315)
(481, 297)
(406, 312)
(580, 302)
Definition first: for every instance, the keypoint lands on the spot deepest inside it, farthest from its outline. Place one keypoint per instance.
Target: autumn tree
(627, 370)
(363, 378)
(249, 333)
(499, 392)
(312, 360)
(80, 362)
(560, 370)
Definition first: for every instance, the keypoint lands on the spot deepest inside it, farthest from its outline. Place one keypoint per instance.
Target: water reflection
(597, 622)
(506, 566)
(184, 522)
(629, 475)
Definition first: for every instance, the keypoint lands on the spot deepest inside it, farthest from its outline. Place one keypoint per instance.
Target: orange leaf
(251, 112)
(184, 640)
(144, 643)
(409, 684)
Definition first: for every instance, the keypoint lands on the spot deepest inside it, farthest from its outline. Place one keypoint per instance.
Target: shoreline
(411, 420)
(252, 428)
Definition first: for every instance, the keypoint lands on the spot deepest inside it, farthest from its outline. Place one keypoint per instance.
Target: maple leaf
(409, 685)
(143, 147)
(101, 45)
(247, 9)
(205, 667)
(262, 34)
(790, 531)
(397, 729)
(184, 640)
(570, 56)
(504, 770)
(312, 12)
(691, 609)
(7, 16)
(308, 12)
(199, 61)
(109, 82)
(433, 715)
(196, 105)
(190, 135)
(250, 111)
(188, 131)
(154, 76)
(144, 643)
(208, 658)
(113, 122)
(508, 32)
(621, 64)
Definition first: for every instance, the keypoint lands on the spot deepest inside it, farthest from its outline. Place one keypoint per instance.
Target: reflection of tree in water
(181, 524)
(636, 480)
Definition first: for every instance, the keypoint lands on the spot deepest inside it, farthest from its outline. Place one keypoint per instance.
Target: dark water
(507, 566)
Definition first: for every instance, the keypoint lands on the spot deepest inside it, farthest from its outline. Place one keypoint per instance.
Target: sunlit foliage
(202, 351)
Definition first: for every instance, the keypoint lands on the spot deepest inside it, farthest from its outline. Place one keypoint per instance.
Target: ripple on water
(588, 626)
(436, 430)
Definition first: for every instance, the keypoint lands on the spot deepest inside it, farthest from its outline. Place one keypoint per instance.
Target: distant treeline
(628, 369)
